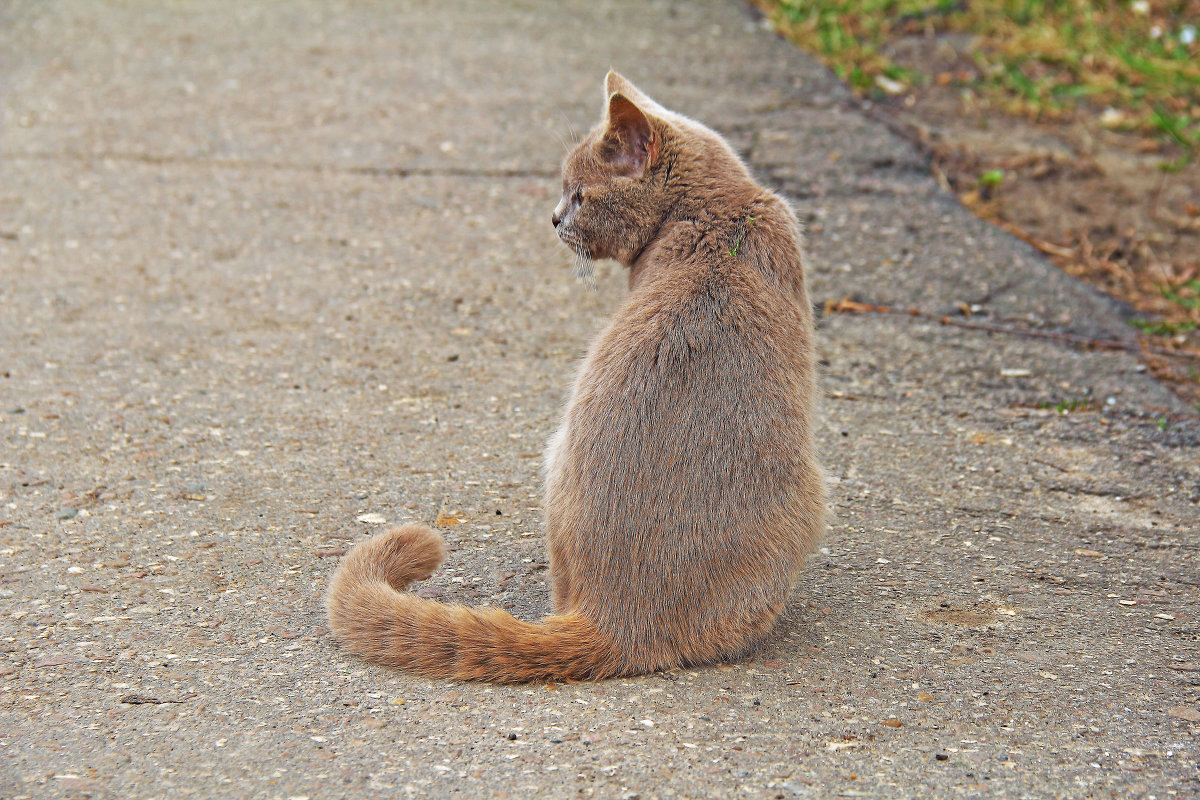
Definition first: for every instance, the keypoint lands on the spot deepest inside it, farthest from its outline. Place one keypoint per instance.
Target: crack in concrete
(787, 185)
(283, 166)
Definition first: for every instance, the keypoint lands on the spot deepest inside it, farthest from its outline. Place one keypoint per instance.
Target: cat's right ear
(630, 141)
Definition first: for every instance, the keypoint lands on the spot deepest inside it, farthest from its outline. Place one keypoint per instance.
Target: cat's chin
(583, 251)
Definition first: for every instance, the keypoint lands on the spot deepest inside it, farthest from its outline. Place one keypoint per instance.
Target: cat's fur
(682, 489)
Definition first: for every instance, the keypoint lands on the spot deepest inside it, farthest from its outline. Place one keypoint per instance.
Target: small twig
(848, 306)
(141, 699)
(330, 552)
(1050, 464)
(1157, 194)
(1050, 248)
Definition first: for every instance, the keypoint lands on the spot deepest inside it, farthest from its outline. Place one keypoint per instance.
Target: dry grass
(1129, 71)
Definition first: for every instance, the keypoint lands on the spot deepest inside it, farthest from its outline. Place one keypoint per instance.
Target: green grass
(1161, 327)
(1186, 294)
(1128, 63)
(991, 178)
(1067, 406)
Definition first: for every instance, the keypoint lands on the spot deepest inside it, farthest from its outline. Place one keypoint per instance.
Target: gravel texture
(271, 273)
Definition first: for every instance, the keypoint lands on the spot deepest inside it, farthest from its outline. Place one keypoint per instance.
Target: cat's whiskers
(568, 146)
(585, 268)
(562, 142)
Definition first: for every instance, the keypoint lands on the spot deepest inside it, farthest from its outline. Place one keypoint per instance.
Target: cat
(682, 490)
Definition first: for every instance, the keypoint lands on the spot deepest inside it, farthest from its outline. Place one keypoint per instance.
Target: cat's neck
(715, 222)
(759, 234)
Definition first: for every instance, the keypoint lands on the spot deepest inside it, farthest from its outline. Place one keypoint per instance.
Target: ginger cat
(682, 489)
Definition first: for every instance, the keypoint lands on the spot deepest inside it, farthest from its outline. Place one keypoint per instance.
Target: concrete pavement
(273, 273)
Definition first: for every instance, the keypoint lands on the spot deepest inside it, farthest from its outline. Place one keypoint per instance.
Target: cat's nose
(560, 212)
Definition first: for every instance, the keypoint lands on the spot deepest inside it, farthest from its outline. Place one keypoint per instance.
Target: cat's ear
(630, 141)
(614, 82)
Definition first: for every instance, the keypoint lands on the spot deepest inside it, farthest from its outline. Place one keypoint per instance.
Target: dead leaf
(984, 614)
(282, 632)
(833, 747)
(848, 306)
(1185, 713)
(56, 661)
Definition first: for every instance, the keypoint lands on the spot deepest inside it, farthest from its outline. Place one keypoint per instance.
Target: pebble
(796, 788)
(66, 513)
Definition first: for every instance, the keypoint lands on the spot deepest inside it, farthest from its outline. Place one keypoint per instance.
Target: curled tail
(372, 615)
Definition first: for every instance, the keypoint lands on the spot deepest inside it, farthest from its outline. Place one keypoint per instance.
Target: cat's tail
(372, 615)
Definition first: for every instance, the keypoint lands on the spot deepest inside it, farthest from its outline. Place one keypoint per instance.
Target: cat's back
(711, 354)
(689, 458)
(733, 279)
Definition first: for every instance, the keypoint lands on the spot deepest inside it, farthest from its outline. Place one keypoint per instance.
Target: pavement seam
(283, 166)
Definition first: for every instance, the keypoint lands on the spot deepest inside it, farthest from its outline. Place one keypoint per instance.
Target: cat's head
(617, 182)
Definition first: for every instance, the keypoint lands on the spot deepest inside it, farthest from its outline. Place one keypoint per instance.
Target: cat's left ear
(630, 140)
